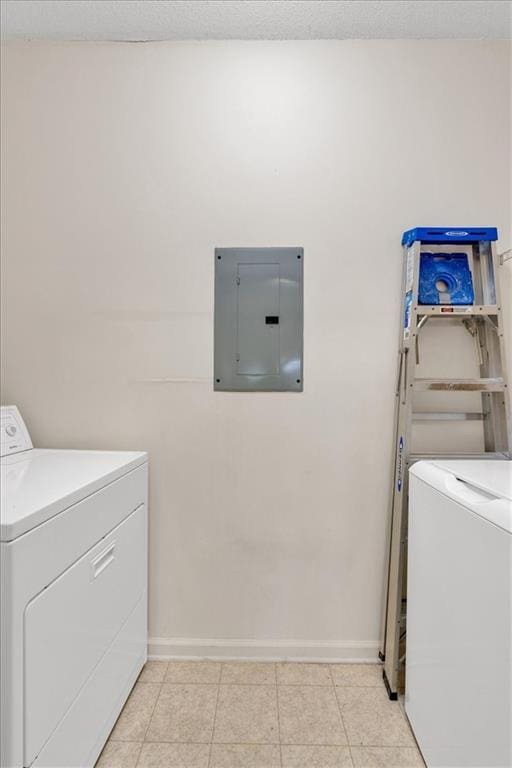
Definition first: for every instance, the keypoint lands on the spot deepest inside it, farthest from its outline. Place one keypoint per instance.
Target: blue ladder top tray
(449, 234)
(445, 278)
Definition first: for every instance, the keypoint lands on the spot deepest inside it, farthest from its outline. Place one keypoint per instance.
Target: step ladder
(484, 321)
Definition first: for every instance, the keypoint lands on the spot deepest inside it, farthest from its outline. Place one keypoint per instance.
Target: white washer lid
(490, 475)
(483, 486)
(38, 484)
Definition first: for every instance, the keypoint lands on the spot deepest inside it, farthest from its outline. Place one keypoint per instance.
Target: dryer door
(71, 624)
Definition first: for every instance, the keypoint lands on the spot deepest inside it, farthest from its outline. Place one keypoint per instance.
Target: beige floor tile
(316, 757)
(309, 715)
(174, 756)
(205, 672)
(134, 719)
(245, 756)
(387, 757)
(371, 719)
(183, 713)
(119, 754)
(248, 672)
(357, 674)
(246, 714)
(294, 673)
(153, 672)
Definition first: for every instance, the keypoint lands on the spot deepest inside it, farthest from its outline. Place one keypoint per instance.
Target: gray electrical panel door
(258, 319)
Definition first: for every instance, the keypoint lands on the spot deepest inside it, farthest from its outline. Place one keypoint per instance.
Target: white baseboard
(165, 648)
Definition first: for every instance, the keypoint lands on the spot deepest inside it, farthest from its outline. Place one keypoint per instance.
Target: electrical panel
(258, 319)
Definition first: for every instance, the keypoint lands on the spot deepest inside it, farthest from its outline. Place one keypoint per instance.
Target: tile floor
(206, 714)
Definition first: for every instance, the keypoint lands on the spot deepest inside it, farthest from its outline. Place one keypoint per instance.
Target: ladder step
(491, 455)
(448, 416)
(460, 385)
(449, 310)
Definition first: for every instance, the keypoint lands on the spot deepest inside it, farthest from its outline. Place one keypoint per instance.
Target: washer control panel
(13, 432)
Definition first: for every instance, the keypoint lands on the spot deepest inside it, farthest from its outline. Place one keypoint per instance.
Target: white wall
(124, 166)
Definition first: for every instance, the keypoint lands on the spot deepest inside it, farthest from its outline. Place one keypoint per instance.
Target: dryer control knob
(11, 430)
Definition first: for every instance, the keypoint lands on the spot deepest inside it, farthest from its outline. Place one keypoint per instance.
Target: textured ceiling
(253, 19)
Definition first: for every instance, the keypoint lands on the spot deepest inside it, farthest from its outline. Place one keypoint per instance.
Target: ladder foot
(393, 695)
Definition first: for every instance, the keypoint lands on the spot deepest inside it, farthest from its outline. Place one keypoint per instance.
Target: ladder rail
(503, 428)
(408, 333)
(392, 469)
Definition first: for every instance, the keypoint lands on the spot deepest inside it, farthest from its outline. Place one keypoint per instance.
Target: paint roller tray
(445, 278)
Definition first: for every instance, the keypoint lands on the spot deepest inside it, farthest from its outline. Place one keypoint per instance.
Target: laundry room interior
(256, 344)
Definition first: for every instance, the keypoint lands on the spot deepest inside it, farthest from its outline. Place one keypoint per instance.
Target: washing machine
(73, 596)
(459, 612)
